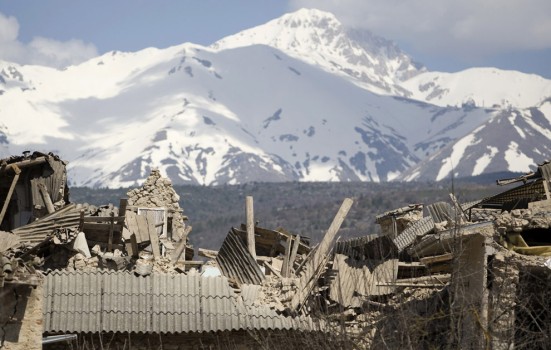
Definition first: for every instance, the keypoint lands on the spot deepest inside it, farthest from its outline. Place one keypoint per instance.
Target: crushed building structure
(438, 275)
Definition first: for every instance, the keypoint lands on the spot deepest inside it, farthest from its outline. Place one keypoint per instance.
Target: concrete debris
(442, 275)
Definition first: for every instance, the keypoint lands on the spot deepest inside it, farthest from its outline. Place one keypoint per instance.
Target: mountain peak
(304, 27)
(309, 18)
(318, 37)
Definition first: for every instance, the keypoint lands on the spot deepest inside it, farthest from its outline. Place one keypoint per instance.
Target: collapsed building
(444, 275)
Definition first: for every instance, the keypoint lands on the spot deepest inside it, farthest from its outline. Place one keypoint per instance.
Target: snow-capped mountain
(318, 38)
(300, 98)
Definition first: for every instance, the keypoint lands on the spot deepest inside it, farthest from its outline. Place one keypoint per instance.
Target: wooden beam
(46, 197)
(436, 258)
(111, 230)
(285, 266)
(153, 236)
(10, 192)
(181, 246)
(546, 188)
(250, 226)
(122, 210)
(23, 164)
(81, 221)
(315, 266)
(207, 253)
(271, 268)
(142, 227)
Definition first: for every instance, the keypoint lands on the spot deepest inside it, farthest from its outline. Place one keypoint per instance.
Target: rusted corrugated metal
(237, 263)
(109, 301)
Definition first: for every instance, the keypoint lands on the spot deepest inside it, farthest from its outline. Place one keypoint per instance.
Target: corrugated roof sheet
(237, 263)
(112, 301)
(38, 230)
(532, 191)
(361, 277)
(354, 247)
(417, 229)
(441, 211)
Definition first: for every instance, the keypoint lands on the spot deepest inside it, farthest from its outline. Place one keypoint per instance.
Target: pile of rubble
(440, 275)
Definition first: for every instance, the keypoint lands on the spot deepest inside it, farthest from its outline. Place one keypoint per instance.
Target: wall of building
(20, 317)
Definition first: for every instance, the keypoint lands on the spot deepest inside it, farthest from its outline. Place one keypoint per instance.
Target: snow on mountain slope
(286, 121)
(318, 38)
(512, 140)
(485, 87)
(290, 100)
(236, 115)
(30, 94)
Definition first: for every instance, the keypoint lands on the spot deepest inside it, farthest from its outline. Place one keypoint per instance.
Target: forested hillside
(304, 208)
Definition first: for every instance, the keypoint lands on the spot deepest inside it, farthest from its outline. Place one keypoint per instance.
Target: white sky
(447, 35)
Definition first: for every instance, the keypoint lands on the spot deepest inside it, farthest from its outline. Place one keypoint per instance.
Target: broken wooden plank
(305, 260)
(142, 228)
(46, 197)
(436, 258)
(130, 242)
(10, 192)
(181, 246)
(23, 164)
(122, 210)
(286, 258)
(315, 266)
(111, 230)
(153, 236)
(249, 208)
(81, 221)
(207, 253)
(294, 251)
(432, 279)
(272, 269)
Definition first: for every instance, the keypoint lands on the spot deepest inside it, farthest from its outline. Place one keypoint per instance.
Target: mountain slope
(231, 116)
(283, 123)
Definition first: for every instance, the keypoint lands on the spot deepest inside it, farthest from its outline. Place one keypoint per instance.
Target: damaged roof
(116, 301)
